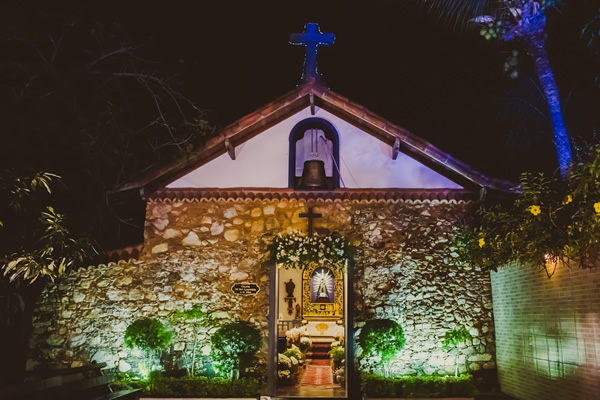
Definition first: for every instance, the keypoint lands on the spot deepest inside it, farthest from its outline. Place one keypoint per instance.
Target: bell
(313, 175)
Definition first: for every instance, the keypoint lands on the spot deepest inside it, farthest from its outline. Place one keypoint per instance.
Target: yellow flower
(481, 242)
(535, 210)
(568, 199)
(597, 207)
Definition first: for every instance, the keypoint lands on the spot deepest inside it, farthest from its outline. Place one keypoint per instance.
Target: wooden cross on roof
(310, 216)
(311, 38)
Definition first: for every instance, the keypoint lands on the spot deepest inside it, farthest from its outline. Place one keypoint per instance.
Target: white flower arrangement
(338, 334)
(339, 375)
(293, 335)
(284, 374)
(305, 343)
(296, 251)
(283, 360)
(294, 351)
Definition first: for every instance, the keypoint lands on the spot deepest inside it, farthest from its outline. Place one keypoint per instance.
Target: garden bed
(417, 387)
(421, 398)
(190, 387)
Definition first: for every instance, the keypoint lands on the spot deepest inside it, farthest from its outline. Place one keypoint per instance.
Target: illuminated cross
(311, 38)
(310, 216)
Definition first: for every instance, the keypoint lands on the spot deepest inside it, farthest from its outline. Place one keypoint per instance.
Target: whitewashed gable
(365, 162)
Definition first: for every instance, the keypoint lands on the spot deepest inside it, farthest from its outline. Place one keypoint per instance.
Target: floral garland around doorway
(297, 251)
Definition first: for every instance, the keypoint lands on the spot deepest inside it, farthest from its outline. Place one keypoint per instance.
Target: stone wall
(84, 316)
(406, 272)
(195, 249)
(548, 332)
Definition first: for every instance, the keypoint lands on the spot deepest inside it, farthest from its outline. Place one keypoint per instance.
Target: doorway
(308, 344)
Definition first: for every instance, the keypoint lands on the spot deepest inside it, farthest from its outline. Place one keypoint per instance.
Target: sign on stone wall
(245, 288)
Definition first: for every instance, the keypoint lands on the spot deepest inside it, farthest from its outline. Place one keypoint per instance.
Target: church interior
(311, 318)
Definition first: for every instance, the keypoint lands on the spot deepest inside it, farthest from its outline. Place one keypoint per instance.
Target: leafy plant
(453, 338)
(197, 317)
(287, 371)
(160, 385)
(295, 352)
(417, 386)
(337, 355)
(234, 347)
(551, 220)
(108, 101)
(523, 21)
(34, 237)
(150, 336)
(382, 338)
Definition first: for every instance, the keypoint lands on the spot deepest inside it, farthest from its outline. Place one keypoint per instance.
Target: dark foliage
(417, 386)
(381, 337)
(147, 334)
(160, 385)
(234, 347)
(87, 100)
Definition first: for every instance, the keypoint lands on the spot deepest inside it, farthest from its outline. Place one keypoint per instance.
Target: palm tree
(525, 22)
(590, 35)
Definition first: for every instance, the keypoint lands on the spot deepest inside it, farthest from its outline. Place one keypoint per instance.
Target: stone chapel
(310, 163)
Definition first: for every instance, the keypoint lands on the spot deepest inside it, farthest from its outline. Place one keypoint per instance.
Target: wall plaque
(245, 288)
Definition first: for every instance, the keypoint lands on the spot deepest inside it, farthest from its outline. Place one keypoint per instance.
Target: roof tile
(354, 195)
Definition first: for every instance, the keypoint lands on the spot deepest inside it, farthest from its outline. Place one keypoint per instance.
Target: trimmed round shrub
(234, 347)
(382, 338)
(147, 334)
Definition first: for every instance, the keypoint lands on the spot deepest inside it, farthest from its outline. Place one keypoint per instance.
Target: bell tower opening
(314, 155)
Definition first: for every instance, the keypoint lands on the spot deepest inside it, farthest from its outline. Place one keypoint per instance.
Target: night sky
(445, 85)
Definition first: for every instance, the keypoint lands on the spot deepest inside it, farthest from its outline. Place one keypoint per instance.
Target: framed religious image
(322, 286)
(322, 291)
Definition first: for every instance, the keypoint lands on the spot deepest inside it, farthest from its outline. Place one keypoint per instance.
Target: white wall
(365, 162)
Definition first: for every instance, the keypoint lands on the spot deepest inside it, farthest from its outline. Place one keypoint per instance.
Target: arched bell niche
(314, 151)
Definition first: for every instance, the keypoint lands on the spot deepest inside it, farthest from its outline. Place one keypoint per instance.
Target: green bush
(196, 317)
(234, 347)
(147, 334)
(453, 338)
(383, 338)
(424, 386)
(417, 386)
(127, 381)
(150, 336)
(463, 385)
(378, 386)
(295, 352)
(200, 386)
(553, 219)
(337, 355)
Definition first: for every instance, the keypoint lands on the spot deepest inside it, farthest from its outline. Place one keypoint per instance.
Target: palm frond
(456, 13)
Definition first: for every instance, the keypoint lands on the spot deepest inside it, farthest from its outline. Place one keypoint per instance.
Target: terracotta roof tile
(125, 253)
(353, 195)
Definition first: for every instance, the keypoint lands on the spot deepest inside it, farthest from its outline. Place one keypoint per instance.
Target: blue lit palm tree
(523, 21)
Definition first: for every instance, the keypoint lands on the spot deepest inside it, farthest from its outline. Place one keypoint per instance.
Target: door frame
(351, 382)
